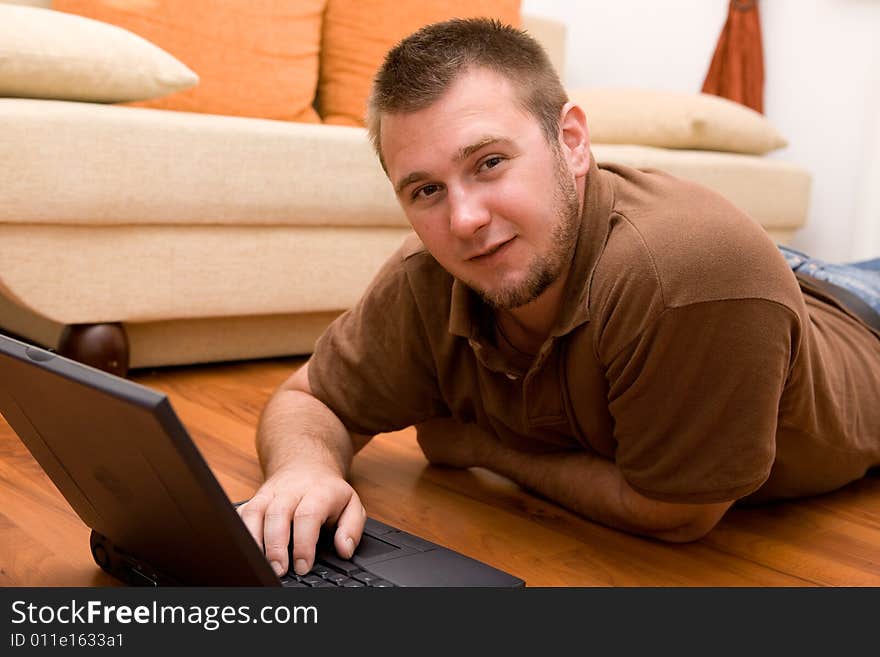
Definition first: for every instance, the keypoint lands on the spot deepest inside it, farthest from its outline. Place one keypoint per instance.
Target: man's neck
(528, 327)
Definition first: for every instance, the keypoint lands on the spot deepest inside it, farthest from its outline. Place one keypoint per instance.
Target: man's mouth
(491, 250)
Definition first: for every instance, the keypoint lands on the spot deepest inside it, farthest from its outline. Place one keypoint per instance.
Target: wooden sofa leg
(104, 346)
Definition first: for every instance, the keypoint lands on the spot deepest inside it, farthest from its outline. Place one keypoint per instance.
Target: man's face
(491, 200)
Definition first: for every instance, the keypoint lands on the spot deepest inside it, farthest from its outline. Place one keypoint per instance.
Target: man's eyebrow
(409, 179)
(463, 153)
(466, 151)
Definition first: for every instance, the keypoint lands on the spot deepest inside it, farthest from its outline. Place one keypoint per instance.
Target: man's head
(485, 155)
(422, 67)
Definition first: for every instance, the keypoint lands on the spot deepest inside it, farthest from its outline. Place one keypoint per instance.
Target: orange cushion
(358, 33)
(255, 58)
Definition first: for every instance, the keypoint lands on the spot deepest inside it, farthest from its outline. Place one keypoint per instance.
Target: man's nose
(467, 213)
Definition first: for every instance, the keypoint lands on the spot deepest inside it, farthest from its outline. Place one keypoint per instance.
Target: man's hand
(448, 442)
(309, 498)
(305, 452)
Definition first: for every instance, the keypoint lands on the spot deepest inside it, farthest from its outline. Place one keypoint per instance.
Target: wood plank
(823, 541)
(29, 561)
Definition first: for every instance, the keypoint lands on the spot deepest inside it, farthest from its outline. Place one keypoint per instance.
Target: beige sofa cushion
(49, 54)
(182, 168)
(672, 119)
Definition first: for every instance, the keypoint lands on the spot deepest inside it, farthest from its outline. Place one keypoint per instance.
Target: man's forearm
(305, 452)
(297, 429)
(595, 488)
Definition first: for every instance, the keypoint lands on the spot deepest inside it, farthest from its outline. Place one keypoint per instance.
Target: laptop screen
(120, 456)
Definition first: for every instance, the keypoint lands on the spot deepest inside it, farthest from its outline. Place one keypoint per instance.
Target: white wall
(822, 89)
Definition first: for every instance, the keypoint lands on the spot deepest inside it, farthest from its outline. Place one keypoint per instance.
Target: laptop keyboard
(330, 570)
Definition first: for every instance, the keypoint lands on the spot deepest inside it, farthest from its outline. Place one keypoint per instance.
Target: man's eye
(492, 162)
(426, 191)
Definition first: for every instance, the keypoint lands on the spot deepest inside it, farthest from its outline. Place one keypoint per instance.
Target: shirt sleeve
(695, 399)
(373, 365)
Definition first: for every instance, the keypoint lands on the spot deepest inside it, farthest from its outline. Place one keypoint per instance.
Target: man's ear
(575, 138)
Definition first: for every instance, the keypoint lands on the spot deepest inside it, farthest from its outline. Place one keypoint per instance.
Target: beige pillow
(670, 119)
(54, 55)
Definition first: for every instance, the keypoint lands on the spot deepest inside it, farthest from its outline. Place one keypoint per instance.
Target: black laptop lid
(122, 459)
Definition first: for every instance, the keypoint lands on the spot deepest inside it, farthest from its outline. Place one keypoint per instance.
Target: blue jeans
(861, 278)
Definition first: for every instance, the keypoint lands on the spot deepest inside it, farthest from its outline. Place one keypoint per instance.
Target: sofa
(136, 237)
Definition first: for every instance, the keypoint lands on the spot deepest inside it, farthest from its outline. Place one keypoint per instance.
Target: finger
(350, 527)
(308, 518)
(251, 514)
(276, 534)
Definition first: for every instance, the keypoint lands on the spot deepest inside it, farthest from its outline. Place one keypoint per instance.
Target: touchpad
(370, 548)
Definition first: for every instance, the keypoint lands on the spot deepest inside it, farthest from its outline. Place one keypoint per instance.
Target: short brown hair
(422, 67)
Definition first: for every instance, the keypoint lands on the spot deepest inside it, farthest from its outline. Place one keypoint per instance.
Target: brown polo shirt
(685, 351)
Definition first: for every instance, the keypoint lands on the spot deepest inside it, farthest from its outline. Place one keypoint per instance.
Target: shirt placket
(531, 379)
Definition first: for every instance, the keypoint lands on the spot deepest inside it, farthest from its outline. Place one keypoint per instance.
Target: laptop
(125, 463)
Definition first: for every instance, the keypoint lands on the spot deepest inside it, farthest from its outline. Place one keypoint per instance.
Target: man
(625, 343)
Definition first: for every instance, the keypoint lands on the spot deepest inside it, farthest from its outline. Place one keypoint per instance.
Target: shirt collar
(468, 313)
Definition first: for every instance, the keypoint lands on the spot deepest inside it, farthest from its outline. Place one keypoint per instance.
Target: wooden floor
(832, 540)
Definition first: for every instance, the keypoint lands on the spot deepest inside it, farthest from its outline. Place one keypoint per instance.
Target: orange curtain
(737, 68)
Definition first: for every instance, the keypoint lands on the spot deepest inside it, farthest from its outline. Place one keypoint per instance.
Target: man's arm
(588, 485)
(305, 452)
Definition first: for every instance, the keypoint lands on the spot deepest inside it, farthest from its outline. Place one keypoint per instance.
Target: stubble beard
(545, 268)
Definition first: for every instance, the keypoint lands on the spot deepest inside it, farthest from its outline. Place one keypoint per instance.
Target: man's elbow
(704, 520)
(671, 522)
